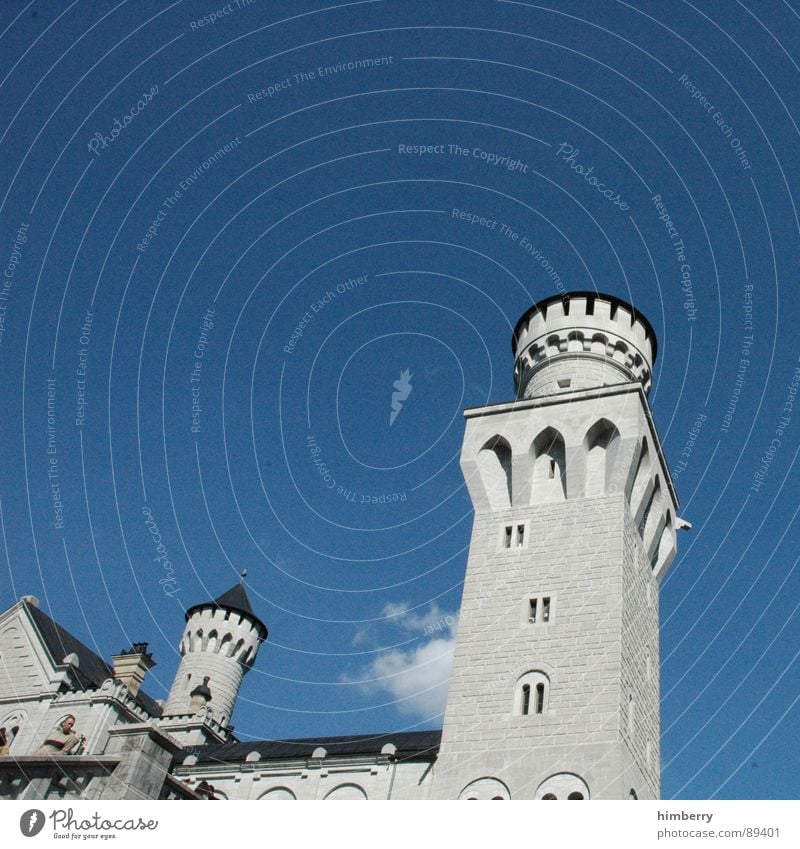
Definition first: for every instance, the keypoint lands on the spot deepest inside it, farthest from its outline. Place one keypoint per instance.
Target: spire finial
(244, 575)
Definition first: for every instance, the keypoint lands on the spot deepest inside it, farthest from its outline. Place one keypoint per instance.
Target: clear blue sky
(158, 165)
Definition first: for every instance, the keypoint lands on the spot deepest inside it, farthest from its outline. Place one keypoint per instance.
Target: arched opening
(621, 352)
(483, 789)
(278, 794)
(347, 791)
(650, 514)
(575, 341)
(664, 551)
(494, 465)
(600, 445)
(549, 797)
(641, 478)
(531, 693)
(549, 479)
(563, 785)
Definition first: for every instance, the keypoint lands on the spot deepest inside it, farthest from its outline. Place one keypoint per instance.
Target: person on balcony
(62, 740)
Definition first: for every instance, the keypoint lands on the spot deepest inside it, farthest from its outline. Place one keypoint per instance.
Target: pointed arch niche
(601, 444)
(549, 476)
(494, 465)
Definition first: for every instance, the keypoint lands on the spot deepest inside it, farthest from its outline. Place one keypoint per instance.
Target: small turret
(219, 645)
(581, 340)
(200, 696)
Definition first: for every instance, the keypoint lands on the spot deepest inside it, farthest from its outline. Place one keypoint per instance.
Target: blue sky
(252, 189)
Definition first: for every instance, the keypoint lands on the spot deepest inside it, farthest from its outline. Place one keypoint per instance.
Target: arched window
(600, 445)
(483, 789)
(531, 693)
(11, 727)
(347, 791)
(562, 785)
(539, 697)
(549, 797)
(549, 478)
(494, 465)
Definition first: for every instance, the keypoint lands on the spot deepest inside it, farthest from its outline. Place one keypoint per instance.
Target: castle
(555, 685)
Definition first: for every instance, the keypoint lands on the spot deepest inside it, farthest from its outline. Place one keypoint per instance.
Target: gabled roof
(92, 670)
(410, 745)
(234, 599)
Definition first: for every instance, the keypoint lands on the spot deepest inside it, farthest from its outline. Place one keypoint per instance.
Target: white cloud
(394, 608)
(434, 619)
(417, 677)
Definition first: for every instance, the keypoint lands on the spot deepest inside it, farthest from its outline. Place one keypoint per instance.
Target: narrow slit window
(507, 536)
(539, 698)
(552, 469)
(520, 535)
(526, 700)
(532, 611)
(546, 609)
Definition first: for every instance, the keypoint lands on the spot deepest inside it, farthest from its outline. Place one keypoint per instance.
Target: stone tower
(555, 685)
(219, 645)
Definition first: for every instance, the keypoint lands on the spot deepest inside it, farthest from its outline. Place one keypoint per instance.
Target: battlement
(579, 341)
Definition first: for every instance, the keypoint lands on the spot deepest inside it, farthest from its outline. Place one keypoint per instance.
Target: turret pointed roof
(236, 600)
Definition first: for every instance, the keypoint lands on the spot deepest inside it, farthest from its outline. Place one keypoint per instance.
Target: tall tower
(555, 685)
(219, 645)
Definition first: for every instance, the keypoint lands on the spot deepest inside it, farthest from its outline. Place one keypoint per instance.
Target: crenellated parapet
(579, 341)
(223, 632)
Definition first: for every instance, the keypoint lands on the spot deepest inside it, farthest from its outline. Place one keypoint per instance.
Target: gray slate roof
(411, 745)
(92, 670)
(233, 599)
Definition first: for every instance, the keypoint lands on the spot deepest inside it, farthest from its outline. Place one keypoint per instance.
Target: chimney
(131, 666)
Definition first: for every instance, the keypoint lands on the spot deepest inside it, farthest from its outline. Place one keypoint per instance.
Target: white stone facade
(554, 692)
(36, 694)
